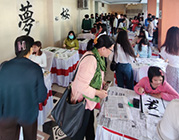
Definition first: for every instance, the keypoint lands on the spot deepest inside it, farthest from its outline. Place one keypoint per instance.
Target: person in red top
(135, 22)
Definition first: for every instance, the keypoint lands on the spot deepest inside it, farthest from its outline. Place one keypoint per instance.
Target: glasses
(110, 50)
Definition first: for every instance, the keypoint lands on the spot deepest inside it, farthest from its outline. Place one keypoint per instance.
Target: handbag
(113, 64)
(69, 117)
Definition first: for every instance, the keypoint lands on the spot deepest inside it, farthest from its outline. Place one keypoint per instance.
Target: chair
(143, 72)
(50, 57)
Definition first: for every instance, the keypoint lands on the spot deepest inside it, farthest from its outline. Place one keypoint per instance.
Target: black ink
(26, 18)
(65, 15)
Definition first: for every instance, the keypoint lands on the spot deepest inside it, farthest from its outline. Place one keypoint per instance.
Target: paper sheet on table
(117, 108)
(150, 62)
(142, 129)
(159, 107)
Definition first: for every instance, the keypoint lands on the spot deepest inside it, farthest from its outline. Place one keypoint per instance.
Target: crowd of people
(22, 85)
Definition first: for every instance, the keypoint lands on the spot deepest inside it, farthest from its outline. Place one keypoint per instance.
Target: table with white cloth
(131, 36)
(82, 46)
(63, 65)
(143, 62)
(46, 107)
(119, 120)
(86, 36)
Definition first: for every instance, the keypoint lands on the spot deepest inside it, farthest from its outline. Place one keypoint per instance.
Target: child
(143, 50)
(155, 85)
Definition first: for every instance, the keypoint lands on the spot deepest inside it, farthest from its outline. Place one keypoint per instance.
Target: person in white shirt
(150, 27)
(115, 23)
(168, 127)
(123, 56)
(38, 56)
(154, 21)
(170, 52)
(126, 22)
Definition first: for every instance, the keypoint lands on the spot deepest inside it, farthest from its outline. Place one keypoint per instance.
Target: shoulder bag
(113, 64)
(68, 116)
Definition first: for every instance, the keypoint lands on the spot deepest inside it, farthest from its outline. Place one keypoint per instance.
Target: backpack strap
(78, 66)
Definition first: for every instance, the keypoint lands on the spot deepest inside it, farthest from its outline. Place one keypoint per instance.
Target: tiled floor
(58, 91)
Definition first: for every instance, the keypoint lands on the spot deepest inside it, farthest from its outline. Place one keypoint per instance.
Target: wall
(104, 9)
(46, 29)
(119, 8)
(133, 10)
(9, 29)
(152, 6)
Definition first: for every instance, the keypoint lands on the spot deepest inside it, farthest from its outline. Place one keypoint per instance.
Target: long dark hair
(122, 39)
(72, 33)
(103, 26)
(38, 44)
(172, 41)
(142, 33)
(102, 41)
(143, 41)
(22, 45)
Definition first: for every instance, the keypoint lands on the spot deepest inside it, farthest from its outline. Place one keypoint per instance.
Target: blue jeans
(124, 72)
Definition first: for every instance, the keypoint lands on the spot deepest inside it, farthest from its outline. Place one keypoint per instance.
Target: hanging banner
(25, 16)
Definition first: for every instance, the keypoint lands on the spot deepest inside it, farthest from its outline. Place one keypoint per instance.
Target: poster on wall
(25, 16)
(65, 14)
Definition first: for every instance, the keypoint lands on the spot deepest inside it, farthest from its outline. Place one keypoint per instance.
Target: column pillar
(152, 6)
(168, 17)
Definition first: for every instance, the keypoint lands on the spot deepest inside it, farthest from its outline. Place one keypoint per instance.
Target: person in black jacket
(22, 88)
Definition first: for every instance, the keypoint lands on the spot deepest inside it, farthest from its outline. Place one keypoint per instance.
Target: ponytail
(99, 42)
(90, 45)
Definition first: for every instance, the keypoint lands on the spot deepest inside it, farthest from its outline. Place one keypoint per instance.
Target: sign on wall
(65, 15)
(25, 13)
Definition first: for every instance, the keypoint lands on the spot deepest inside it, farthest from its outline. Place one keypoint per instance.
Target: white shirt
(155, 23)
(121, 25)
(115, 23)
(121, 57)
(173, 60)
(41, 60)
(168, 127)
(127, 23)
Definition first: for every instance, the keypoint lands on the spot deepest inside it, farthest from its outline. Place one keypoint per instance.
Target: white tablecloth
(142, 127)
(86, 36)
(63, 65)
(82, 46)
(63, 69)
(142, 62)
(46, 107)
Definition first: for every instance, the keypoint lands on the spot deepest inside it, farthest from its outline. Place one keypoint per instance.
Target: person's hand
(101, 94)
(138, 40)
(166, 60)
(104, 82)
(141, 90)
(64, 45)
(72, 49)
(158, 95)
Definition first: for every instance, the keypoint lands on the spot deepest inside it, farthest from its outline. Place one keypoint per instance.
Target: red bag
(98, 106)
